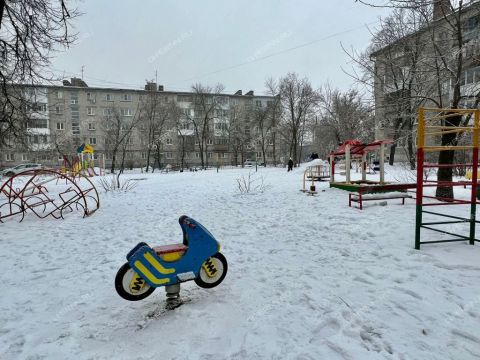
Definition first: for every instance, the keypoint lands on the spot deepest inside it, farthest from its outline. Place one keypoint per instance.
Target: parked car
(20, 168)
(249, 163)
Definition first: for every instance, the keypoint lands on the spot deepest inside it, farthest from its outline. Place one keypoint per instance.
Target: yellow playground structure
(84, 162)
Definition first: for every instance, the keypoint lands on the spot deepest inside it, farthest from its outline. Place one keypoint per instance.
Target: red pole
(420, 159)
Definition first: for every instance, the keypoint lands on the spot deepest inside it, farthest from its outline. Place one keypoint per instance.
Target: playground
(309, 277)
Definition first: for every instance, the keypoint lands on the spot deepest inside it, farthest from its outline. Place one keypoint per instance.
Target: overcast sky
(237, 43)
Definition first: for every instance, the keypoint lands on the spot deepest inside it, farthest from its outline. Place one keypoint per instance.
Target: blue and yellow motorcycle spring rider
(198, 258)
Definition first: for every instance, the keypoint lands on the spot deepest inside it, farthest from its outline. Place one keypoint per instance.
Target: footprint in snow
(326, 329)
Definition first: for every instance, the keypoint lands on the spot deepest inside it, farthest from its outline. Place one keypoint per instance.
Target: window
(91, 126)
(126, 97)
(221, 141)
(73, 101)
(108, 97)
(93, 141)
(209, 142)
(60, 126)
(38, 107)
(90, 111)
(197, 155)
(144, 155)
(75, 128)
(196, 142)
(270, 141)
(169, 155)
(184, 98)
(470, 76)
(209, 155)
(470, 27)
(59, 94)
(169, 141)
(107, 112)
(220, 126)
(37, 124)
(91, 97)
(9, 157)
(223, 155)
(258, 103)
(247, 130)
(222, 99)
(126, 112)
(58, 109)
(24, 157)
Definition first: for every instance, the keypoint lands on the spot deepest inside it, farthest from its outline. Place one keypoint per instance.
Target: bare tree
(184, 132)
(263, 126)
(30, 31)
(346, 115)
(298, 100)
(153, 120)
(392, 63)
(448, 53)
(118, 126)
(235, 132)
(274, 112)
(206, 101)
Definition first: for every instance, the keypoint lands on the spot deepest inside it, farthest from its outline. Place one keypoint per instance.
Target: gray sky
(237, 43)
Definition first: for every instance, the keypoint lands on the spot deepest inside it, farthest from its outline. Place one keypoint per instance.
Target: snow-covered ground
(309, 278)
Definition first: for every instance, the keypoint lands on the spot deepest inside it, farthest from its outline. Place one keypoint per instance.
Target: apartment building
(419, 70)
(61, 118)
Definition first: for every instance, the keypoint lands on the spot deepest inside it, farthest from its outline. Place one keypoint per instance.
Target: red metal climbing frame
(28, 192)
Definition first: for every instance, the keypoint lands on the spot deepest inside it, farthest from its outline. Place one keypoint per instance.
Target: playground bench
(360, 198)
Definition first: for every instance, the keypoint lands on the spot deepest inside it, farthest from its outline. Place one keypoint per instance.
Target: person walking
(290, 165)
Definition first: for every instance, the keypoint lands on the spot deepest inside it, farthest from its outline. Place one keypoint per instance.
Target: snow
(308, 278)
(314, 162)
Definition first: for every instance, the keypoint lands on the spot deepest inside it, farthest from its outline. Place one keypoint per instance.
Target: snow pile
(309, 278)
(304, 166)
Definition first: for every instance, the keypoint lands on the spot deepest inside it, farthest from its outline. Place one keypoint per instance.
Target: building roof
(87, 88)
(357, 148)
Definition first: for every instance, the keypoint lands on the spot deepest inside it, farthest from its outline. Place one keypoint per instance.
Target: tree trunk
(159, 160)
(411, 153)
(122, 165)
(114, 159)
(264, 154)
(274, 150)
(445, 174)
(393, 147)
(446, 157)
(148, 158)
